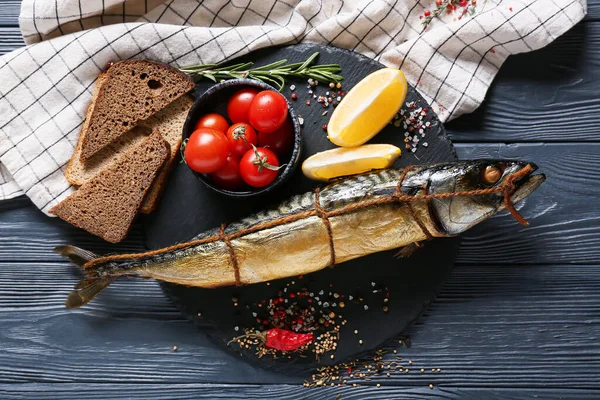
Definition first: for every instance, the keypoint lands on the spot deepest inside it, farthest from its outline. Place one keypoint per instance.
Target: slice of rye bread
(128, 92)
(169, 122)
(107, 204)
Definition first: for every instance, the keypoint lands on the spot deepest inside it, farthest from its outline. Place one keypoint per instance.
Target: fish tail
(89, 286)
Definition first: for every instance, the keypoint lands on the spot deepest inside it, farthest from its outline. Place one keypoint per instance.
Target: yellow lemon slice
(342, 161)
(367, 107)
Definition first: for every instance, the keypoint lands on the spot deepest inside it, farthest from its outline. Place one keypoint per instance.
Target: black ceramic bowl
(215, 100)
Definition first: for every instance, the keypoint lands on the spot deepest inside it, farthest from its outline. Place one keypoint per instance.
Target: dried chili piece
(283, 339)
(280, 339)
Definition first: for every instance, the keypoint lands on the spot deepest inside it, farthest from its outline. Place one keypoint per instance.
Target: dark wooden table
(519, 317)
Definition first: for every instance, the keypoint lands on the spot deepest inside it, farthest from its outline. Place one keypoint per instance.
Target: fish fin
(86, 290)
(408, 250)
(75, 254)
(89, 286)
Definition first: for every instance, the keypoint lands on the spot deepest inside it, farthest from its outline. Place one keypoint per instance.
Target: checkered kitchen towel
(46, 86)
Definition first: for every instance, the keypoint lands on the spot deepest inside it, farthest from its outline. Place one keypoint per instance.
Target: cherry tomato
(241, 137)
(239, 104)
(228, 177)
(259, 167)
(268, 111)
(280, 141)
(206, 150)
(213, 121)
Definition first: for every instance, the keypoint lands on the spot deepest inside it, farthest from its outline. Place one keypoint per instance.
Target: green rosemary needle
(275, 73)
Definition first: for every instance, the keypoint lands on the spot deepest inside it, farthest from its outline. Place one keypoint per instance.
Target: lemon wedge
(367, 107)
(343, 161)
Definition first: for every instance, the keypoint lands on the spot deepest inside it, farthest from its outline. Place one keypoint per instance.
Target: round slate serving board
(188, 208)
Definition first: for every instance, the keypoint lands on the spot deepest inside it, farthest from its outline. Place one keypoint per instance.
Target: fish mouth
(526, 185)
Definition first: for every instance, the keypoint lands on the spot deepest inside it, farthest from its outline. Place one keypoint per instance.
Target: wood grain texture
(292, 392)
(508, 331)
(9, 12)
(10, 39)
(564, 218)
(25, 232)
(492, 326)
(547, 95)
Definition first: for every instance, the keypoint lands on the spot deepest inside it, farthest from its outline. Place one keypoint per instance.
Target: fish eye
(492, 174)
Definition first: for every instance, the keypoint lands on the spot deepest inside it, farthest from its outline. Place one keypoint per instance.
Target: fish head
(456, 214)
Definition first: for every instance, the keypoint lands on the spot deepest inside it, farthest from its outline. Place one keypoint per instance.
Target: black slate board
(188, 208)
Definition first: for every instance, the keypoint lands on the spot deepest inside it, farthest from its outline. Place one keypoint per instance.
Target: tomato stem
(182, 150)
(240, 133)
(262, 162)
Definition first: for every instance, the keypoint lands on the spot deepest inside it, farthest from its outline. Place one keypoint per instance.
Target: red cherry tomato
(259, 167)
(228, 177)
(241, 137)
(280, 141)
(268, 111)
(206, 150)
(239, 104)
(213, 121)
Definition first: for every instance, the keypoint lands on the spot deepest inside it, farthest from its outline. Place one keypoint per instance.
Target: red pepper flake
(294, 96)
(292, 295)
(308, 102)
(438, 2)
(427, 13)
(463, 3)
(300, 276)
(324, 127)
(492, 51)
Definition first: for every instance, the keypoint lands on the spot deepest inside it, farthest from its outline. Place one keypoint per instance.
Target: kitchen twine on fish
(507, 188)
(321, 213)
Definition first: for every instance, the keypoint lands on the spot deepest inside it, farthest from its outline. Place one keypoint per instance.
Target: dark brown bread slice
(130, 91)
(107, 204)
(169, 122)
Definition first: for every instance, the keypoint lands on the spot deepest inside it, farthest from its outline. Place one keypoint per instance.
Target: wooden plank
(9, 12)
(492, 326)
(26, 233)
(259, 392)
(593, 10)
(547, 95)
(10, 39)
(565, 224)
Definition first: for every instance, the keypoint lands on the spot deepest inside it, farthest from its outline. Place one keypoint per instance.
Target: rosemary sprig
(275, 73)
